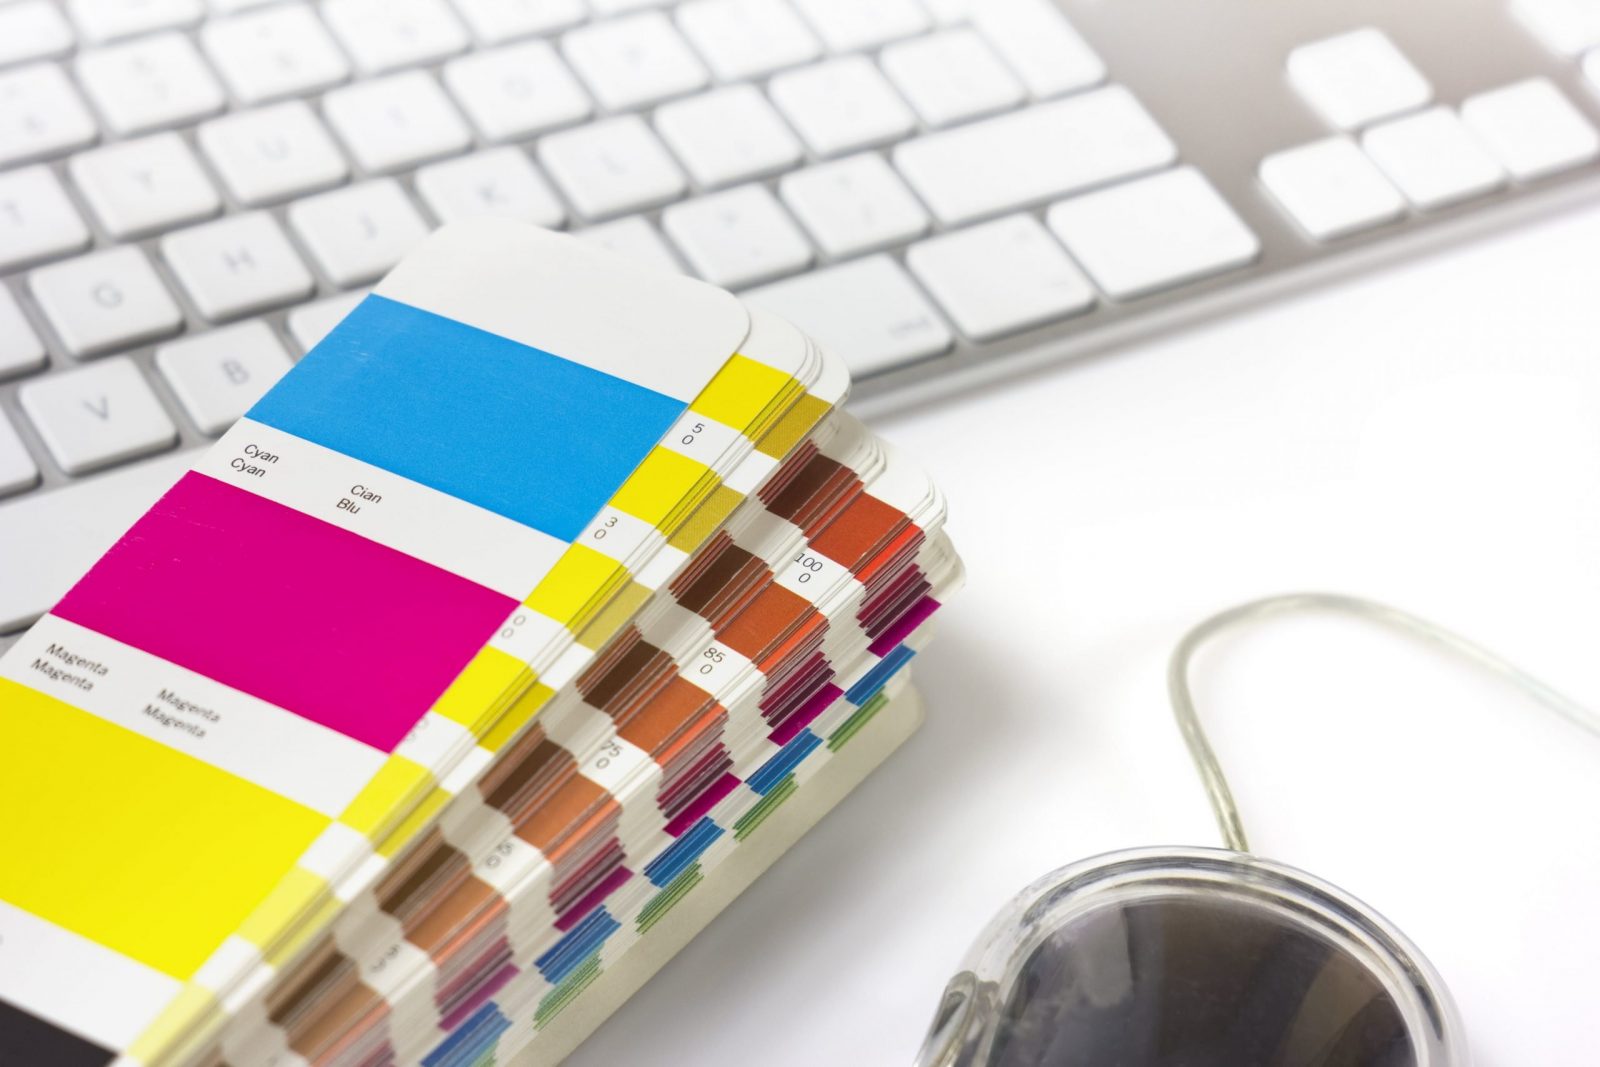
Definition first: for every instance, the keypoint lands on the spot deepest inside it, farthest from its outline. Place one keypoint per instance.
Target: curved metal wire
(1205, 760)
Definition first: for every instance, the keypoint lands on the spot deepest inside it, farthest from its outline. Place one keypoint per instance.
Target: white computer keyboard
(191, 193)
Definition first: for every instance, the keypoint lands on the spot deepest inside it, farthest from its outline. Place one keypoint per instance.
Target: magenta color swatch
(904, 626)
(305, 615)
(704, 803)
(790, 728)
(480, 995)
(593, 899)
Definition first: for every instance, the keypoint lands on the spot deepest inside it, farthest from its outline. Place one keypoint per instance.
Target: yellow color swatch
(661, 487)
(293, 897)
(175, 1026)
(614, 615)
(707, 519)
(479, 690)
(399, 784)
(742, 391)
(581, 581)
(795, 424)
(524, 708)
(132, 844)
(419, 820)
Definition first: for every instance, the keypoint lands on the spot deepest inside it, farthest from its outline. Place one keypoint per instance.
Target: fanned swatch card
(455, 666)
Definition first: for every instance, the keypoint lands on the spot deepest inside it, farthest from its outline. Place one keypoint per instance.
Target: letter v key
(94, 416)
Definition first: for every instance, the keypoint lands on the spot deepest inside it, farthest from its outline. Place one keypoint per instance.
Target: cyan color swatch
(516, 430)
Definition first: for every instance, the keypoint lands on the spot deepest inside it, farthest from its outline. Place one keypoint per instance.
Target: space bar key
(49, 539)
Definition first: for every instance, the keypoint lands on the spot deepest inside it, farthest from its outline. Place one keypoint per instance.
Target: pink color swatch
(305, 615)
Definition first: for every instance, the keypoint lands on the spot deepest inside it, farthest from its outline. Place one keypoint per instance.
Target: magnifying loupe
(1191, 957)
(1204, 957)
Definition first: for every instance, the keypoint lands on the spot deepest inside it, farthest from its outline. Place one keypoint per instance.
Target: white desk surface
(1430, 436)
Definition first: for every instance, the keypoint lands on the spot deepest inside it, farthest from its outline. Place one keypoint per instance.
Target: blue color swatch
(516, 430)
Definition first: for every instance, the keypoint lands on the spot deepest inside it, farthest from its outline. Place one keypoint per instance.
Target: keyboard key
(273, 53)
(951, 12)
(217, 376)
(395, 122)
(1024, 157)
(636, 239)
(728, 136)
(1357, 78)
(1036, 41)
(737, 238)
(142, 186)
(272, 153)
(499, 182)
(310, 323)
(867, 311)
(358, 233)
(105, 300)
(41, 114)
(633, 62)
(516, 92)
(1331, 188)
(37, 221)
(17, 469)
(61, 533)
(385, 35)
(1153, 233)
(841, 106)
(20, 348)
(1000, 277)
(744, 39)
(1433, 158)
(149, 83)
(951, 77)
(110, 20)
(1566, 26)
(854, 205)
(1531, 128)
(497, 21)
(852, 26)
(33, 29)
(611, 167)
(624, 7)
(95, 416)
(235, 266)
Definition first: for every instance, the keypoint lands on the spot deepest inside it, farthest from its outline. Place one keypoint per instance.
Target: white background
(1429, 435)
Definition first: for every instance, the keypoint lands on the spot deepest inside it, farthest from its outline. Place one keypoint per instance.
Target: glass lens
(1196, 980)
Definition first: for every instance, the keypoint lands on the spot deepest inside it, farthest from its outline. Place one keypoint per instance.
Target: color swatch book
(479, 920)
(453, 667)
